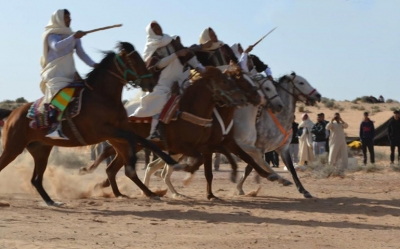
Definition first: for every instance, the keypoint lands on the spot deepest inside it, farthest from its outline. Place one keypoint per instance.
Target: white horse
(273, 132)
(272, 100)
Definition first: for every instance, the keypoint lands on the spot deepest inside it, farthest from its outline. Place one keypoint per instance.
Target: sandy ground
(360, 210)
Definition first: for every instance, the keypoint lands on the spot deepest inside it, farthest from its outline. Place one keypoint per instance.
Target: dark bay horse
(183, 136)
(102, 117)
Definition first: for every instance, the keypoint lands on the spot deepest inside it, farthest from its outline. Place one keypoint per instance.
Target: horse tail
(4, 113)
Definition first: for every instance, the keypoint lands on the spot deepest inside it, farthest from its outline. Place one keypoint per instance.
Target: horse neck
(286, 116)
(198, 100)
(108, 85)
(226, 114)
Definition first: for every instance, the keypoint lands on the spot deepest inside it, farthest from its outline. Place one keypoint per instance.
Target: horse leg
(151, 168)
(166, 174)
(231, 160)
(285, 154)
(40, 154)
(107, 152)
(209, 175)
(197, 161)
(260, 162)
(246, 173)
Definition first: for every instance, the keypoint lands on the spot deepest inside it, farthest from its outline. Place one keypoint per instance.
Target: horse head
(133, 69)
(225, 90)
(251, 92)
(302, 90)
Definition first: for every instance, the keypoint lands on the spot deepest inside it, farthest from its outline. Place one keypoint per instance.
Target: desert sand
(359, 210)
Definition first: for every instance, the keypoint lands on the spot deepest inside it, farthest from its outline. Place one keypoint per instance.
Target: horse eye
(267, 88)
(301, 83)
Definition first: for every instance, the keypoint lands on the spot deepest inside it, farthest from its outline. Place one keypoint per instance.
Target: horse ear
(293, 74)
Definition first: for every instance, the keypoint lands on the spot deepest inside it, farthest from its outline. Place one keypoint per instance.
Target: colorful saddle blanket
(43, 115)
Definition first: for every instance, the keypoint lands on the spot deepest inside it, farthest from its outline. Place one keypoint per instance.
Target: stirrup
(155, 136)
(57, 134)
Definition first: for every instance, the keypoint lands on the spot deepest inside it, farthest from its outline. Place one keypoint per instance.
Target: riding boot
(154, 134)
(56, 132)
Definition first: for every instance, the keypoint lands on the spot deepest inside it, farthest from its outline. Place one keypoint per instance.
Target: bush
(363, 99)
(329, 104)
(354, 107)
(391, 101)
(21, 100)
(361, 108)
(393, 108)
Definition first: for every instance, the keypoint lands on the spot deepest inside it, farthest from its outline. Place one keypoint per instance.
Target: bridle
(126, 70)
(221, 97)
(269, 99)
(300, 93)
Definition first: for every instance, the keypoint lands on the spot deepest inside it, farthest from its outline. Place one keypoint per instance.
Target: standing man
(394, 136)
(294, 144)
(367, 134)
(327, 132)
(337, 141)
(58, 67)
(319, 135)
(305, 141)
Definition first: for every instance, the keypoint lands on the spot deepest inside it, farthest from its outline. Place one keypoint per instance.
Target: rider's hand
(182, 52)
(207, 44)
(248, 50)
(270, 78)
(79, 34)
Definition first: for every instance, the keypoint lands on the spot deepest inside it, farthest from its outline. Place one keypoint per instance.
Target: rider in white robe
(306, 154)
(337, 142)
(58, 67)
(172, 71)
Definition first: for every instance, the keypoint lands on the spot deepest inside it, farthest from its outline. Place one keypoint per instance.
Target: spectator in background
(367, 134)
(272, 157)
(319, 136)
(394, 136)
(327, 132)
(337, 141)
(305, 140)
(294, 144)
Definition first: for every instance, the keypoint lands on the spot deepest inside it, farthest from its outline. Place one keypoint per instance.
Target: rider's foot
(155, 136)
(57, 134)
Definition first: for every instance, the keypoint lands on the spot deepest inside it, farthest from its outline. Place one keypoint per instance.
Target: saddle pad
(170, 109)
(39, 112)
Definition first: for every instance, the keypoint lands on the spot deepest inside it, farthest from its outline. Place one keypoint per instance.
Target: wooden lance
(103, 28)
(262, 38)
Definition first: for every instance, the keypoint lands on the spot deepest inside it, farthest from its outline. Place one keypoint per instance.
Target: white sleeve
(166, 60)
(243, 62)
(268, 71)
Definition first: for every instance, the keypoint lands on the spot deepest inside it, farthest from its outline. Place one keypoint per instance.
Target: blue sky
(345, 49)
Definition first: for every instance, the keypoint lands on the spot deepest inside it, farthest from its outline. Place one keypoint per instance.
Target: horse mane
(285, 77)
(106, 61)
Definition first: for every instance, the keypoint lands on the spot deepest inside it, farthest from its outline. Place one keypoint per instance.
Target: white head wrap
(154, 41)
(205, 36)
(235, 49)
(56, 25)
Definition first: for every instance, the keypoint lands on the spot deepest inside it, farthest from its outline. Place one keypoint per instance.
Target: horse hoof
(83, 171)
(155, 197)
(306, 194)
(213, 198)
(273, 177)
(121, 196)
(55, 203)
(188, 180)
(178, 196)
(286, 182)
(240, 192)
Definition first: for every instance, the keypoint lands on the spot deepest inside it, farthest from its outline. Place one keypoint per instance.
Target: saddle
(43, 115)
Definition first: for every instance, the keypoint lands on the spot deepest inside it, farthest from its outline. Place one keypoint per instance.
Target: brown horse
(102, 117)
(182, 137)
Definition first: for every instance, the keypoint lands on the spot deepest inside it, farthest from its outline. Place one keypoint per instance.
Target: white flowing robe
(152, 103)
(337, 144)
(305, 142)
